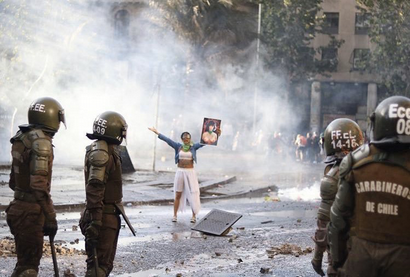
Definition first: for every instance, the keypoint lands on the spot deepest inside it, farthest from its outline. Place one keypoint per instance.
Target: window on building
(329, 56)
(331, 23)
(362, 25)
(122, 24)
(307, 54)
(360, 58)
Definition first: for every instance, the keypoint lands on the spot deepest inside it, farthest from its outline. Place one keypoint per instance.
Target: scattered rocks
(288, 249)
(67, 273)
(8, 249)
(264, 270)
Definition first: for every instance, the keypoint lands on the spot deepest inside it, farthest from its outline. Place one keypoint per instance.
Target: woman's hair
(210, 123)
(185, 133)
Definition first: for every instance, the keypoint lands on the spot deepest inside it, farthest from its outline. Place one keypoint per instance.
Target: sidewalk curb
(209, 184)
(80, 206)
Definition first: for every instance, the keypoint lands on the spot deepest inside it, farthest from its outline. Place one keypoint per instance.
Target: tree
(288, 28)
(389, 22)
(217, 31)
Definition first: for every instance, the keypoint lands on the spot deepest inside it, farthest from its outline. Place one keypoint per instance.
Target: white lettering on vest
(388, 209)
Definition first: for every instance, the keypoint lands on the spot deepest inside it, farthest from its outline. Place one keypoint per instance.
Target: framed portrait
(210, 131)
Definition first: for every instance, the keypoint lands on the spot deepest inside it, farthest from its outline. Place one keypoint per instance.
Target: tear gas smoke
(78, 53)
(301, 194)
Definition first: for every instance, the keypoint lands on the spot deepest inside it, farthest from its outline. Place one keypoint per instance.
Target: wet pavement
(278, 207)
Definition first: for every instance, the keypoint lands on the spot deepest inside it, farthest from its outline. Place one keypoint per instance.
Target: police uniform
(31, 214)
(30, 179)
(100, 222)
(374, 190)
(102, 168)
(328, 190)
(340, 137)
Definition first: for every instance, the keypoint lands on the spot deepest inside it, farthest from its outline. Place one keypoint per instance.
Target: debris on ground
(68, 273)
(8, 248)
(288, 249)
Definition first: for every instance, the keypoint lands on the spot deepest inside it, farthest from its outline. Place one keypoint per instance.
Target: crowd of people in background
(302, 147)
(286, 147)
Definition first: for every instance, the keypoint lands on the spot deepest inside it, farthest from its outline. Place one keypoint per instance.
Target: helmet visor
(61, 117)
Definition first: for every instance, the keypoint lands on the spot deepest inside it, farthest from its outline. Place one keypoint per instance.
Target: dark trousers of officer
(107, 243)
(368, 258)
(26, 222)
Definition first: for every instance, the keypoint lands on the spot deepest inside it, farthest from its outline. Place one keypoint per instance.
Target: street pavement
(148, 198)
(155, 187)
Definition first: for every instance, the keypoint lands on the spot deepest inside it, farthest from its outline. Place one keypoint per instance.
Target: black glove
(93, 230)
(50, 226)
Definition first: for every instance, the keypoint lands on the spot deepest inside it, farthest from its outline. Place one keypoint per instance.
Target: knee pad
(28, 273)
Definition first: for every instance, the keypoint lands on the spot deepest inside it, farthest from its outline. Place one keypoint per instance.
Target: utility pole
(158, 90)
(255, 93)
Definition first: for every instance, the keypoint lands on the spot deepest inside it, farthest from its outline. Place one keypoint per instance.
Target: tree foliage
(389, 22)
(209, 26)
(288, 29)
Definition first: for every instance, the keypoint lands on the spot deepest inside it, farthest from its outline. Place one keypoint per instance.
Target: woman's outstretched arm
(153, 130)
(169, 141)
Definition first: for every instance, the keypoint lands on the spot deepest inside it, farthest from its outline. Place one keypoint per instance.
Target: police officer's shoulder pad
(42, 147)
(346, 165)
(99, 153)
(361, 153)
(328, 187)
(35, 134)
(99, 145)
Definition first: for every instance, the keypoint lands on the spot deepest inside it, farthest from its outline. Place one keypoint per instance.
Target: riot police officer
(31, 214)
(374, 190)
(340, 137)
(100, 222)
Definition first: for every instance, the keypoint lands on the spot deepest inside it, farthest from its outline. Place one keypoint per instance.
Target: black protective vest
(113, 175)
(382, 196)
(21, 154)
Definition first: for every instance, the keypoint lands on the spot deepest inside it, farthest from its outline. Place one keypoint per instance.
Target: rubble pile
(8, 249)
(288, 249)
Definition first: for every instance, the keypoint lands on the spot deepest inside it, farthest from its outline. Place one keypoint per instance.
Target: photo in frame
(210, 131)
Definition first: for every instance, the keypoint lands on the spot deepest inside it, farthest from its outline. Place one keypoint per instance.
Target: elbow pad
(41, 153)
(98, 159)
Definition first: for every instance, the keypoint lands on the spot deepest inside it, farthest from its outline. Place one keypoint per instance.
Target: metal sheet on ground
(216, 222)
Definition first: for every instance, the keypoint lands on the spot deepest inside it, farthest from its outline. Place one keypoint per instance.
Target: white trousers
(186, 182)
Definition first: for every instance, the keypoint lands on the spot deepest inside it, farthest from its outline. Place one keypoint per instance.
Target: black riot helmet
(46, 113)
(109, 126)
(341, 136)
(390, 122)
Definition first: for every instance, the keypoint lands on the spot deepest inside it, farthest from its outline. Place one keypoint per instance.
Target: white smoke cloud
(69, 50)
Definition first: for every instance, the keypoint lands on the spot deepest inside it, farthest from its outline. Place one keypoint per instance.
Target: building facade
(348, 91)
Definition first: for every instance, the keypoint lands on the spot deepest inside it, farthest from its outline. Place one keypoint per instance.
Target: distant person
(373, 199)
(100, 222)
(315, 147)
(340, 138)
(186, 186)
(300, 143)
(309, 147)
(31, 215)
(210, 136)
